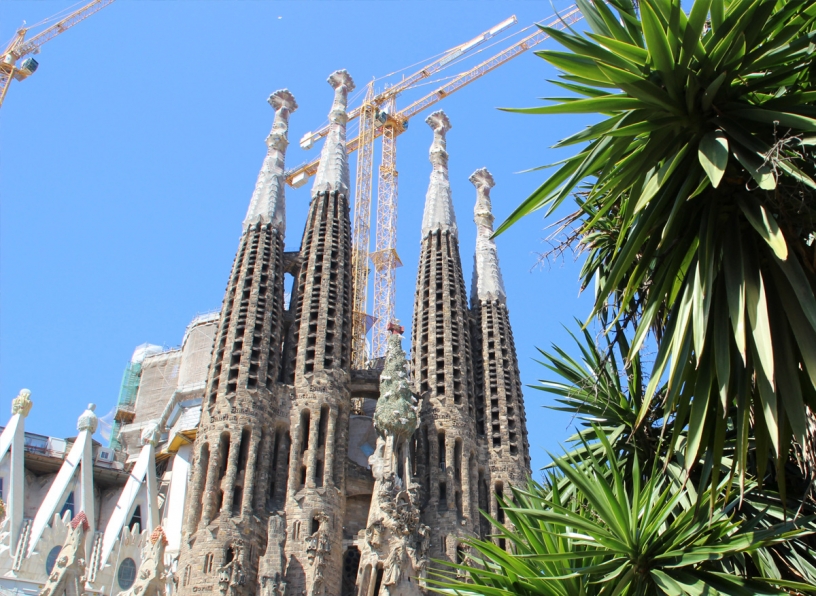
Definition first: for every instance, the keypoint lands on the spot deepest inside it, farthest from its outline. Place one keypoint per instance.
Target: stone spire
(268, 204)
(439, 213)
(499, 401)
(487, 277)
(333, 172)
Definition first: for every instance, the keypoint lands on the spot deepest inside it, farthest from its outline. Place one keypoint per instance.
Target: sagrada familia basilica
(254, 460)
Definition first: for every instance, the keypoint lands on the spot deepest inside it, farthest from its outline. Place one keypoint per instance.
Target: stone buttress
(226, 512)
(315, 498)
(501, 407)
(447, 442)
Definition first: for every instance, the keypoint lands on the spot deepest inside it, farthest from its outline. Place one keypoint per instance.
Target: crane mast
(385, 258)
(388, 124)
(19, 47)
(361, 232)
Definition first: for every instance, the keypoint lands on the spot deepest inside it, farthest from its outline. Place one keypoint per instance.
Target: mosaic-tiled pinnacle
(487, 277)
(396, 412)
(439, 213)
(268, 204)
(333, 172)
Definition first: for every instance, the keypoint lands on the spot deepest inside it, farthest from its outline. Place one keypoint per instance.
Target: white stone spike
(268, 204)
(487, 278)
(439, 213)
(333, 171)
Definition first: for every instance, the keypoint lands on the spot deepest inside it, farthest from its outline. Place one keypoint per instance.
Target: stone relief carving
(318, 549)
(231, 576)
(273, 586)
(152, 573)
(68, 575)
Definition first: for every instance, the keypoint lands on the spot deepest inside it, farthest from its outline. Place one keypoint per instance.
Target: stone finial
(151, 434)
(483, 211)
(88, 420)
(333, 172)
(487, 278)
(80, 519)
(22, 403)
(158, 534)
(439, 213)
(268, 203)
(284, 104)
(343, 84)
(396, 411)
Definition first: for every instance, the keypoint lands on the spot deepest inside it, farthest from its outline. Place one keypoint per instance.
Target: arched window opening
(378, 580)
(208, 564)
(243, 449)
(441, 448)
(223, 454)
(443, 496)
(136, 519)
(68, 507)
(304, 431)
(322, 426)
(351, 564)
(237, 500)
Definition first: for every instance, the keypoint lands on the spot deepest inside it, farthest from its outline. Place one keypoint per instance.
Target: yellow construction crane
(19, 47)
(372, 116)
(388, 123)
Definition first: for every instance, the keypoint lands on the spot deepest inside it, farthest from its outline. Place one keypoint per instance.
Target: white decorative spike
(439, 213)
(268, 204)
(333, 172)
(487, 277)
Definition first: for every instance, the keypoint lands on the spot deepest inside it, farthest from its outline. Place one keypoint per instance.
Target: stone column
(295, 455)
(329, 451)
(261, 479)
(465, 474)
(232, 468)
(450, 471)
(311, 455)
(249, 475)
(433, 447)
(210, 484)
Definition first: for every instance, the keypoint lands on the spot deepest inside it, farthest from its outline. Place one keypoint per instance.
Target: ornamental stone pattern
(297, 486)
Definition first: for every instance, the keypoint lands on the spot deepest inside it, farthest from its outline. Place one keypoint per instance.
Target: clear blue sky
(128, 159)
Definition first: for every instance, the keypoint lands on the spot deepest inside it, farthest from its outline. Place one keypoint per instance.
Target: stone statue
(393, 566)
(374, 533)
(273, 586)
(68, 575)
(318, 547)
(231, 575)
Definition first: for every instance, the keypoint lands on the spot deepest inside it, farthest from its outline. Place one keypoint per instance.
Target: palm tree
(699, 217)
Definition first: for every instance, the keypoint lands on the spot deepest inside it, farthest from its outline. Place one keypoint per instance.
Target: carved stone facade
(299, 484)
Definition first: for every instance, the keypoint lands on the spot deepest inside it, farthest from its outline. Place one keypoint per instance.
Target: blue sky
(128, 159)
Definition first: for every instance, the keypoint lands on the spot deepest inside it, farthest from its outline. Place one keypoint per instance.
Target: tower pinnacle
(268, 204)
(487, 277)
(438, 203)
(333, 172)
